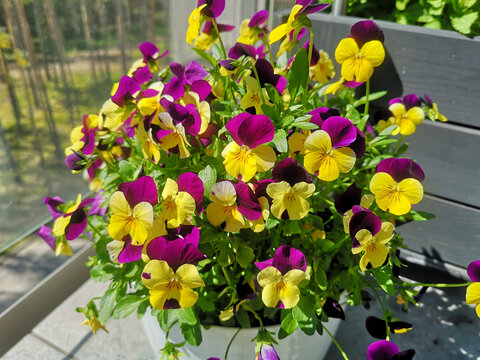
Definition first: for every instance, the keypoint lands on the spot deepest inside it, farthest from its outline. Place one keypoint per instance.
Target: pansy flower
(127, 90)
(239, 49)
(473, 290)
(267, 352)
(397, 185)
(370, 234)
(333, 309)
(183, 77)
(321, 66)
(296, 20)
(290, 42)
(180, 199)
(251, 30)
(231, 204)
(171, 274)
(327, 151)
(209, 35)
(406, 114)
(361, 52)
(290, 191)
(83, 137)
(279, 277)
(386, 350)
(341, 84)
(74, 221)
(132, 210)
(150, 52)
(58, 246)
(246, 154)
(345, 202)
(431, 109)
(205, 9)
(376, 327)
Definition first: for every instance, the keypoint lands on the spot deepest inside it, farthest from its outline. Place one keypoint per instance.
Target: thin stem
(336, 343)
(220, 39)
(310, 51)
(267, 43)
(383, 310)
(367, 95)
(398, 144)
(254, 314)
(231, 341)
(259, 84)
(441, 285)
(94, 228)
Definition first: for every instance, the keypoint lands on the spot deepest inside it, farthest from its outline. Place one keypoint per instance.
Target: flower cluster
(238, 192)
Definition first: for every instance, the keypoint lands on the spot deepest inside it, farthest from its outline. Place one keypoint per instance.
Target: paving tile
(31, 348)
(126, 338)
(444, 327)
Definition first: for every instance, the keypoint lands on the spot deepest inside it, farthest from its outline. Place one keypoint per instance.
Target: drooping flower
(251, 30)
(326, 151)
(361, 52)
(150, 52)
(59, 246)
(246, 154)
(376, 327)
(406, 114)
(345, 202)
(267, 352)
(74, 221)
(370, 234)
(431, 109)
(231, 204)
(132, 210)
(340, 84)
(290, 42)
(292, 186)
(209, 35)
(473, 290)
(239, 49)
(171, 274)
(127, 90)
(279, 277)
(397, 185)
(195, 21)
(386, 350)
(296, 20)
(321, 66)
(83, 137)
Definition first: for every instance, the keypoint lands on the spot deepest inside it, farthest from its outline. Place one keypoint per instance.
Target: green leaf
(225, 254)
(320, 277)
(401, 4)
(292, 227)
(106, 305)
(298, 74)
(280, 141)
(245, 256)
(274, 95)
(207, 57)
(192, 334)
(166, 318)
(98, 274)
(287, 120)
(269, 111)
(463, 24)
(304, 313)
(305, 125)
(271, 223)
(126, 306)
(421, 215)
(125, 168)
(288, 325)
(371, 97)
(384, 278)
(384, 134)
(209, 178)
(187, 316)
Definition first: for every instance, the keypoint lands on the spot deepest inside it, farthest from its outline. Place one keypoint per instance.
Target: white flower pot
(216, 339)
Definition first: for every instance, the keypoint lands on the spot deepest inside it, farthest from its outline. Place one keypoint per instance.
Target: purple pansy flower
(128, 89)
(285, 259)
(401, 168)
(150, 52)
(240, 49)
(267, 352)
(176, 86)
(259, 18)
(213, 9)
(143, 189)
(142, 75)
(365, 31)
(251, 130)
(308, 8)
(72, 161)
(267, 75)
(473, 271)
(291, 171)
(386, 350)
(376, 327)
(410, 101)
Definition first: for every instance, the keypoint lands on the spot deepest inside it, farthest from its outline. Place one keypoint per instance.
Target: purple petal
(255, 130)
(315, 53)
(175, 88)
(193, 122)
(381, 350)
(396, 100)
(364, 219)
(142, 189)
(213, 9)
(46, 234)
(89, 140)
(142, 75)
(178, 112)
(300, 34)
(304, 3)
(202, 88)
(280, 83)
(313, 9)
(193, 237)
(258, 18)
(265, 72)
(359, 145)
(194, 72)
(234, 124)
(175, 252)
(352, 84)
(149, 51)
(130, 253)
(52, 205)
(366, 30)
(346, 200)
(291, 171)
(267, 352)
(261, 188)
(427, 100)
(127, 90)
(78, 223)
(473, 271)
(72, 161)
(341, 131)
(239, 49)
(192, 184)
(96, 208)
(225, 27)
(248, 204)
(264, 264)
(401, 168)
(411, 100)
(177, 69)
(287, 258)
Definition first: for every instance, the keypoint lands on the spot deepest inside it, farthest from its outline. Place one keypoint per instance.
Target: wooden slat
(449, 156)
(442, 63)
(453, 236)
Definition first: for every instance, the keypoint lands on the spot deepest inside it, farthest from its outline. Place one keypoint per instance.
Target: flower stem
(224, 53)
(367, 95)
(398, 144)
(268, 47)
(231, 341)
(259, 84)
(254, 314)
(336, 343)
(310, 51)
(441, 285)
(383, 310)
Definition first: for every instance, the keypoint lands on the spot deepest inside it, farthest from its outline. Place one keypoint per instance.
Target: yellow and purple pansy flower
(209, 35)
(473, 290)
(279, 277)
(206, 9)
(431, 109)
(397, 185)
(370, 234)
(132, 210)
(246, 154)
(290, 191)
(251, 30)
(289, 42)
(231, 205)
(328, 151)
(345, 202)
(321, 66)
(361, 51)
(171, 274)
(406, 113)
(387, 350)
(184, 77)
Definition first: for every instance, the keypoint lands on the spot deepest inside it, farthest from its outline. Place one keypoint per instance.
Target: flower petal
(473, 270)
(374, 52)
(188, 276)
(473, 293)
(381, 350)
(342, 132)
(347, 49)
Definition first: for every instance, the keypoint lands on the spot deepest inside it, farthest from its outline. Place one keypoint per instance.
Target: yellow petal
(347, 48)
(412, 189)
(143, 215)
(376, 257)
(278, 33)
(158, 298)
(269, 275)
(386, 232)
(374, 52)
(265, 157)
(290, 295)
(224, 193)
(188, 276)
(473, 293)
(345, 158)
(240, 162)
(60, 224)
(157, 274)
(270, 295)
(119, 204)
(294, 277)
(188, 297)
(397, 109)
(119, 226)
(416, 115)
(363, 70)
(296, 143)
(170, 189)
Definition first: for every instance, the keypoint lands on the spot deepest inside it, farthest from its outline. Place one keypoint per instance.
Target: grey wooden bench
(446, 65)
